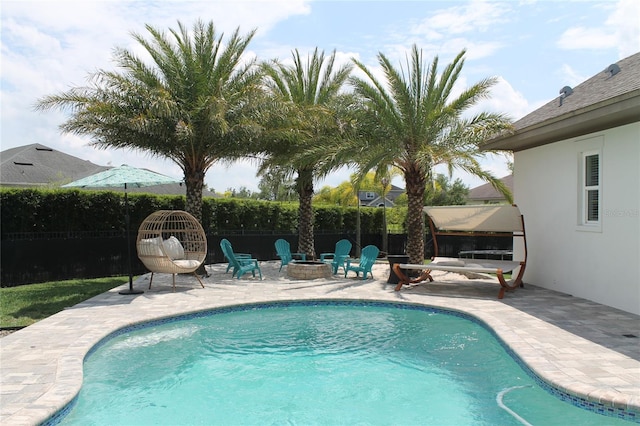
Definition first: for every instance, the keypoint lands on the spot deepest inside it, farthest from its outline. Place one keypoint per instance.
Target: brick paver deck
(579, 346)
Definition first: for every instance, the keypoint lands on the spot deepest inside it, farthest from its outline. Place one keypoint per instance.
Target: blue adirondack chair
(283, 250)
(238, 255)
(241, 265)
(367, 259)
(339, 256)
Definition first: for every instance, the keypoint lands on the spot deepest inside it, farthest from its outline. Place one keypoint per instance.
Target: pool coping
(41, 365)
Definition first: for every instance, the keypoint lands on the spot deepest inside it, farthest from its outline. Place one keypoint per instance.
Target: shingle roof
(39, 165)
(608, 99)
(598, 88)
(487, 192)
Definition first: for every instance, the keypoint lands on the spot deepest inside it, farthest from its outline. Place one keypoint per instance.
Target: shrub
(74, 210)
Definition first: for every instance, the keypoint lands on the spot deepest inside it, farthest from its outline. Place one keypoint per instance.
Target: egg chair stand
(171, 242)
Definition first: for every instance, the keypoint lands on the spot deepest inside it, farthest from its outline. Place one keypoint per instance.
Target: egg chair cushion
(187, 264)
(173, 248)
(150, 247)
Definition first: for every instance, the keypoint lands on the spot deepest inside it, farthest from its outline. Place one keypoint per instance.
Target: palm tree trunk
(415, 181)
(195, 182)
(305, 214)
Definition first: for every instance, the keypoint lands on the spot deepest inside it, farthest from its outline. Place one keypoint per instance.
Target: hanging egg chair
(171, 242)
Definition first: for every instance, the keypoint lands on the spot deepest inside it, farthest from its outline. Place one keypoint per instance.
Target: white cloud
(587, 38)
(446, 32)
(50, 46)
(620, 30)
(505, 99)
(626, 23)
(474, 16)
(474, 50)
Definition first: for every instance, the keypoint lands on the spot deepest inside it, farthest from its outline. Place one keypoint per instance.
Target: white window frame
(587, 188)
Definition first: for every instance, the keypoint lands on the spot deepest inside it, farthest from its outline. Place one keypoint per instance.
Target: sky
(533, 48)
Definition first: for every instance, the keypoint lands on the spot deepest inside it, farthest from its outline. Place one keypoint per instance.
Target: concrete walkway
(582, 348)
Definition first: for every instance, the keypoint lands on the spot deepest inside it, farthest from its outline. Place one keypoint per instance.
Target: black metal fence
(34, 258)
(452, 245)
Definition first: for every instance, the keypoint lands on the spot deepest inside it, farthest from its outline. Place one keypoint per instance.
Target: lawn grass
(23, 305)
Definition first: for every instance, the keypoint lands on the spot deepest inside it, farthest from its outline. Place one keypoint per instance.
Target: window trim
(584, 222)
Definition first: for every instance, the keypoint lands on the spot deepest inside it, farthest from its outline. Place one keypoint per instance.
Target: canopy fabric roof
(482, 218)
(122, 176)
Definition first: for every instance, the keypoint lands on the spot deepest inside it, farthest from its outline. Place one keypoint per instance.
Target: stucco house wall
(584, 142)
(599, 263)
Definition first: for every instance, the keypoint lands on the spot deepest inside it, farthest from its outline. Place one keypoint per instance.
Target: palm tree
(412, 122)
(304, 113)
(191, 103)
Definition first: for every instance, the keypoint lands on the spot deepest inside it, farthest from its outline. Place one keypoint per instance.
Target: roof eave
(614, 112)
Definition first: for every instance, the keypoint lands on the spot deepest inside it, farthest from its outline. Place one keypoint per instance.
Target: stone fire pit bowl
(308, 270)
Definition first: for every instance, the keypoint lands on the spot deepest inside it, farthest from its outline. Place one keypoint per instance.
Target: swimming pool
(314, 363)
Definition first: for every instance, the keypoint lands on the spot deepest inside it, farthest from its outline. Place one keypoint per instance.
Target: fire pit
(308, 270)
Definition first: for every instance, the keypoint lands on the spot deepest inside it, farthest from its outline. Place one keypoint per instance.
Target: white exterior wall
(602, 265)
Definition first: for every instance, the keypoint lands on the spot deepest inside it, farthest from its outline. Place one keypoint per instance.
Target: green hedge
(73, 210)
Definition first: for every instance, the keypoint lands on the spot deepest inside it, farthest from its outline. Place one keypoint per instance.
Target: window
(591, 193)
(370, 195)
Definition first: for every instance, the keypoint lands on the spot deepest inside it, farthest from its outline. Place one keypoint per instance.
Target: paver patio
(580, 347)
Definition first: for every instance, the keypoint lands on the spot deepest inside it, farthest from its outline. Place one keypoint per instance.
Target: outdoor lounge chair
(367, 259)
(283, 250)
(238, 255)
(339, 256)
(241, 265)
(171, 242)
(496, 221)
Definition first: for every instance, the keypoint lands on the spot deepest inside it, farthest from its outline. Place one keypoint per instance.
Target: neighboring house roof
(609, 99)
(487, 193)
(38, 165)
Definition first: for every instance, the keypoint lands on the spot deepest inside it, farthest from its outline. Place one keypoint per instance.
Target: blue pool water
(315, 364)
